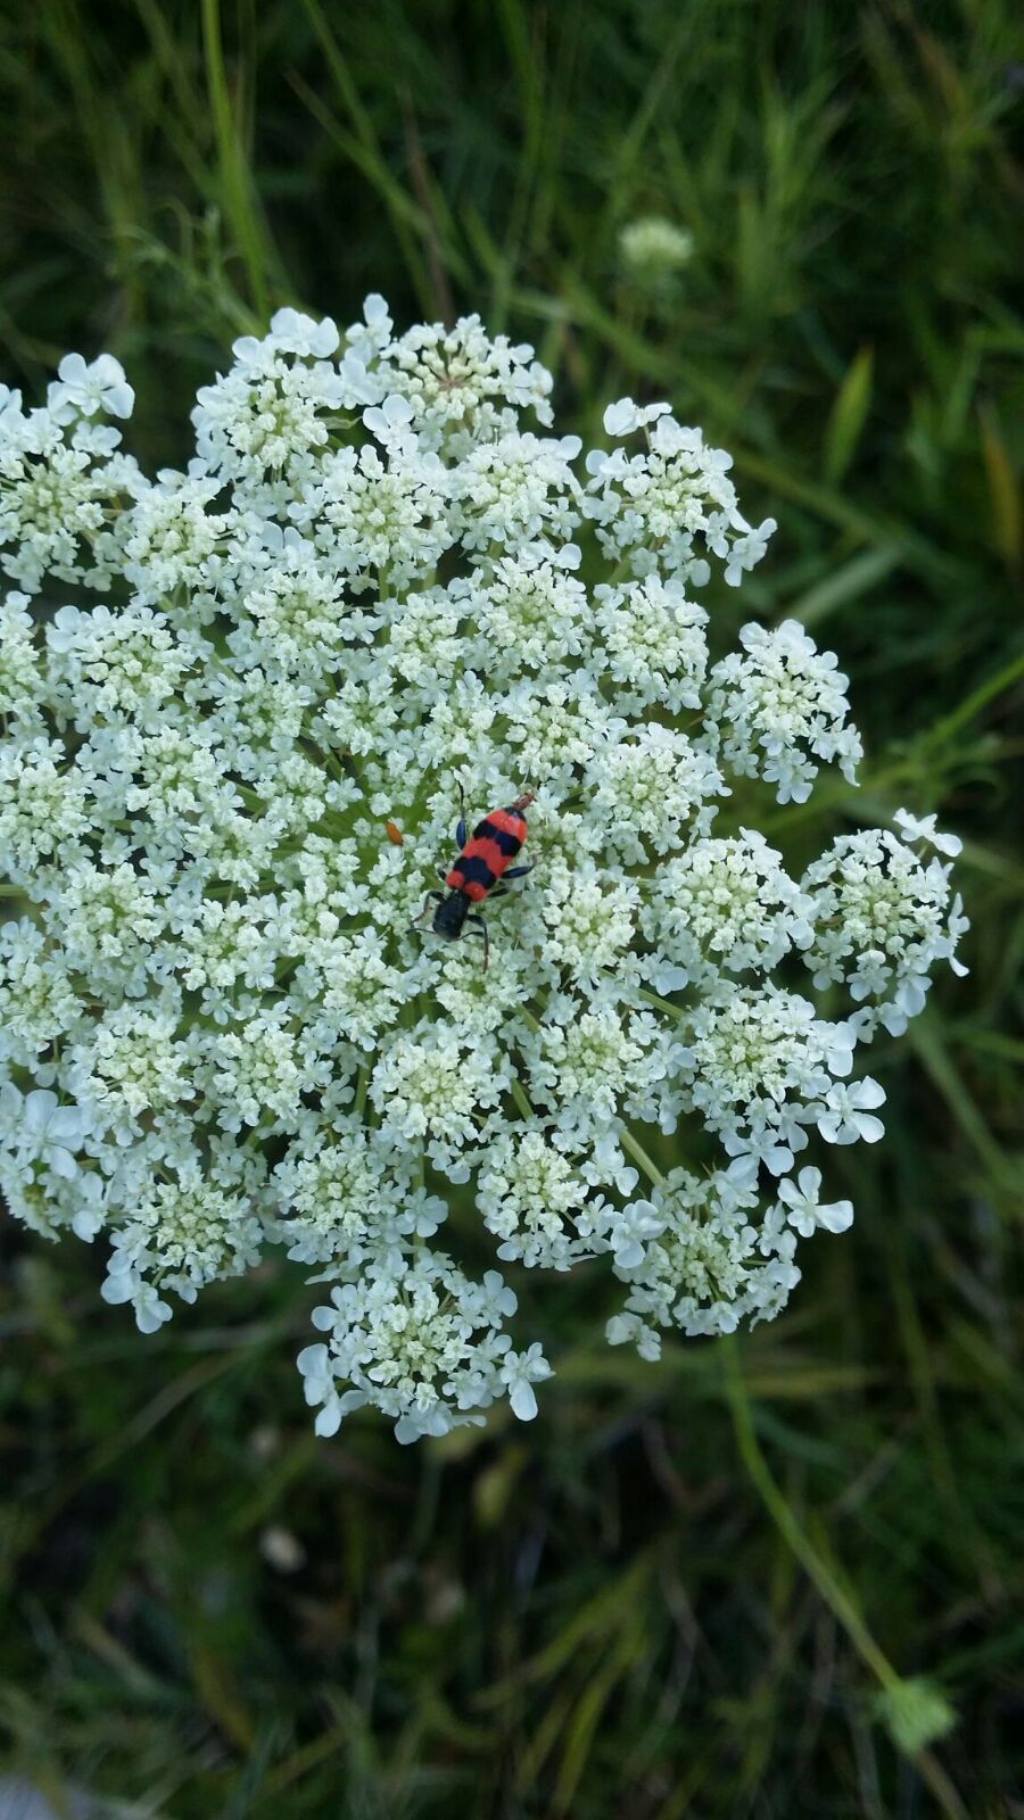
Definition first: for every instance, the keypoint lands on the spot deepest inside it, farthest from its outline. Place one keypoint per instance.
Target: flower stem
(818, 1569)
(660, 1004)
(786, 1521)
(639, 1155)
(519, 1094)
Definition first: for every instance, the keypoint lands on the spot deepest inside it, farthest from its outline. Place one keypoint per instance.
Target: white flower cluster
(240, 706)
(651, 246)
(882, 918)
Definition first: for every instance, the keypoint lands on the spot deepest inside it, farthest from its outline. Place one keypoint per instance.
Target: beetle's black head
(450, 915)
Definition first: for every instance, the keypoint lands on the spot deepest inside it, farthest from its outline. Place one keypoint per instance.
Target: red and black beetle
(481, 870)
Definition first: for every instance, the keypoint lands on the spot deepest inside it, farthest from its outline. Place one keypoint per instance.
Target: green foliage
(752, 1581)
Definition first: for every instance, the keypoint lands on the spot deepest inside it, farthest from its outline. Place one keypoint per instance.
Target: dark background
(681, 1590)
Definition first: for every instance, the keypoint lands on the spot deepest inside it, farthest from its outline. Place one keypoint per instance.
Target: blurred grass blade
(845, 584)
(1003, 488)
(240, 203)
(848, 416)
(1003, 679)
(925, 1036)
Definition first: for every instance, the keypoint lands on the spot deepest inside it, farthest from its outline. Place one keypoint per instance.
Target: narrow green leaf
(856, 577)
(849, 415)
(1004, 490)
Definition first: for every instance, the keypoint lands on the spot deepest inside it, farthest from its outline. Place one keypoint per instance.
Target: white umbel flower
(882, 919)
(780, 709)
(650, 247)
(383, 586)
(726, 906)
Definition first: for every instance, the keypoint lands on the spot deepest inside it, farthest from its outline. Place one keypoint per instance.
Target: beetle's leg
(477, 925)
(501, 889)
(442, 872)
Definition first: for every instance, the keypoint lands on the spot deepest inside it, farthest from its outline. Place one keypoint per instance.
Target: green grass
(695, 1589)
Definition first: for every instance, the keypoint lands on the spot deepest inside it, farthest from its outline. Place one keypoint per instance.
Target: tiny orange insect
(394, 834)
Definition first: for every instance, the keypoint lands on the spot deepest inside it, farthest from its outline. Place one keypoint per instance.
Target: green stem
(818, 1570)
(521, 1098)
(639, 1155)
(782, 1514)
(973, 703)
(660, 1004)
